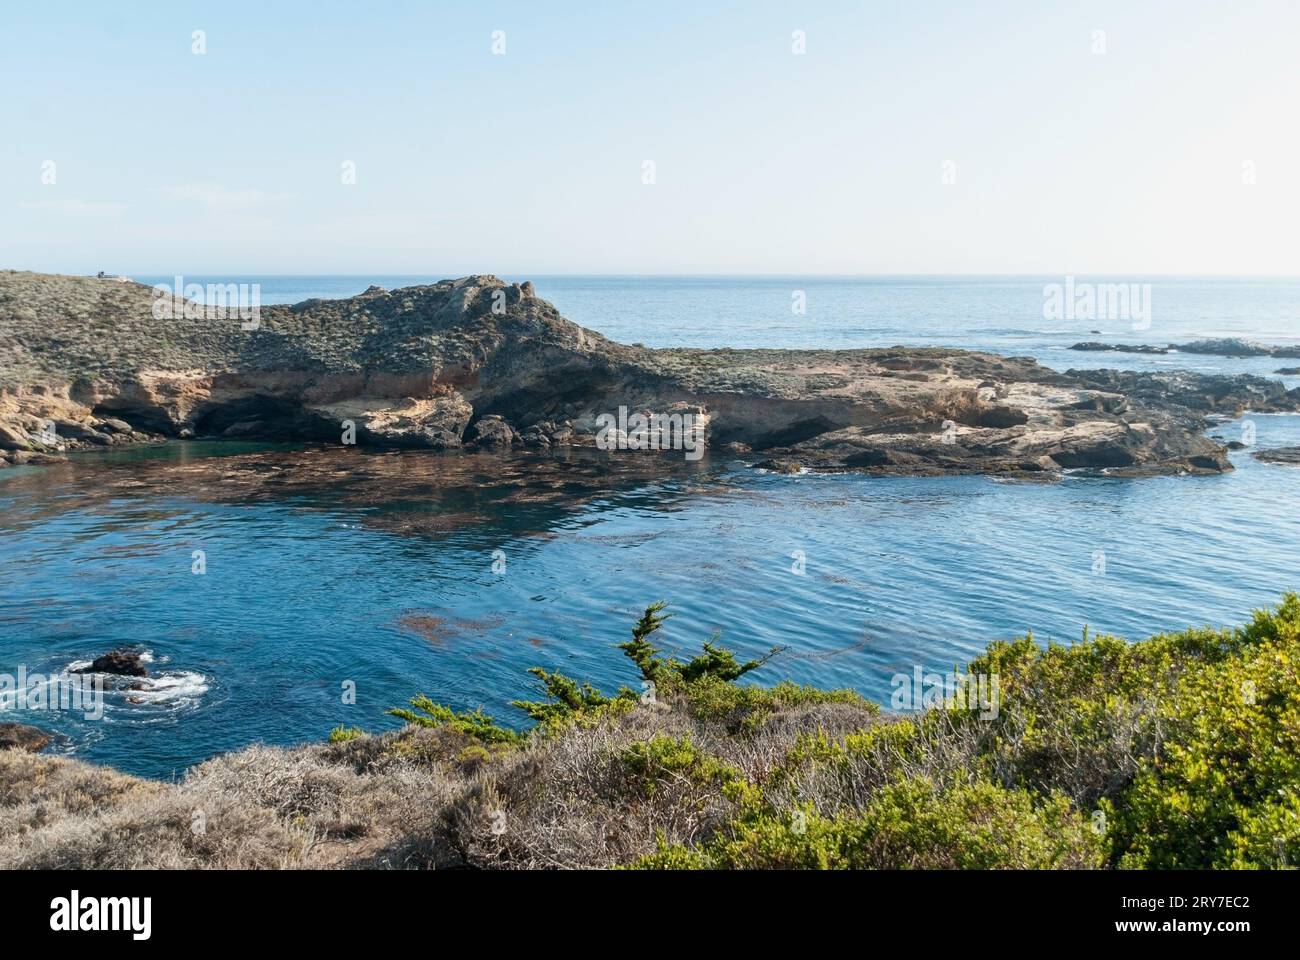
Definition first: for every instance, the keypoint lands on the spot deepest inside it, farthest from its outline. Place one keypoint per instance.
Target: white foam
(176, 686)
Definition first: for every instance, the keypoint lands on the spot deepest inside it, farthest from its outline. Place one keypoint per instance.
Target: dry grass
(415, 798)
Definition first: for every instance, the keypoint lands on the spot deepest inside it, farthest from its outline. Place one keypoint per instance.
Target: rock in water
(125, 663)
(491, 431)
(1289, 455)
(1096, 347)
(1221, 347)
(20, 736)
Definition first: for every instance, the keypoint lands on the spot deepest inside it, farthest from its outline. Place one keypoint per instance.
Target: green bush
(1224, 790)
(662, 759)
(1179, 751)
(477, 724)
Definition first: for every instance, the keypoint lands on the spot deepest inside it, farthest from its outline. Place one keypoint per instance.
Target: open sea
(334, 593)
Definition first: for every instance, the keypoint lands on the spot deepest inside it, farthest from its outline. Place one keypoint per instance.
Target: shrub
(475, 724)
(1224, 791)
(661, 759)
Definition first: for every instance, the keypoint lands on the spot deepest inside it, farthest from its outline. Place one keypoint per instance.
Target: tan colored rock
(13, 438)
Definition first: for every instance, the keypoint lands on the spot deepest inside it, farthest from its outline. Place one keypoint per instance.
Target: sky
(1138, 137)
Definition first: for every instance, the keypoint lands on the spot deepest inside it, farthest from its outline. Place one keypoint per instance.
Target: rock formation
(125, 663)
(477, 361)
(1287, 455)
(1220, 347)
(22, 736)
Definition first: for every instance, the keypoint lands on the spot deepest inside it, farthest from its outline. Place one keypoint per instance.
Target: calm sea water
(324, 573)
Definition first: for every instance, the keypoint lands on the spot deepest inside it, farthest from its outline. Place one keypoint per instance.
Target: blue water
(378, 571)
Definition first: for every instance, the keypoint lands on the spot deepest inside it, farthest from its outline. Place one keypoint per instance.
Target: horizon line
(673, 276)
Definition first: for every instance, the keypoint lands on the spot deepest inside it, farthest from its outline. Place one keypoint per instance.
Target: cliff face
(86, 362)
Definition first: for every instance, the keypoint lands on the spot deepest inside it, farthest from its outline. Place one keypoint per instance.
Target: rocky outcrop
(481, 362)
(21, 736)
(124, 663)
(1220, 347)
(1096, 346)
(1194, 393)
(1287, 455)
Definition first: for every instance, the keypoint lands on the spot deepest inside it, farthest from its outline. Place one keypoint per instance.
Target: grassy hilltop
(1182, 750)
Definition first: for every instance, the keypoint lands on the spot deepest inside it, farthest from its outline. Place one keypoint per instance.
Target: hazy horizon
(613, 275)
(757, 140)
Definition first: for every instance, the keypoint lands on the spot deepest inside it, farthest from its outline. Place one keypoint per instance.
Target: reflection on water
(327, 570)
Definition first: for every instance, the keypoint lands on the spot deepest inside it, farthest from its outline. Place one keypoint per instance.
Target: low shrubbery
(1182, 750)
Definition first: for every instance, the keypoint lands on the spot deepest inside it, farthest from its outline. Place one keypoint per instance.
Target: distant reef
(479, 362)
(1222, 347)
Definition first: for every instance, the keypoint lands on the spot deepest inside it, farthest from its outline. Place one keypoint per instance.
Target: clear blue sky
(1066, 160)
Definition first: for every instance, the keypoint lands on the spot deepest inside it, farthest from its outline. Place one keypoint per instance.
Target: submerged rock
(1093, 345)
(1220, 347)
(1290, 455)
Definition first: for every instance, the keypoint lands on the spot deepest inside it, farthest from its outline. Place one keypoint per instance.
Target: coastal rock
(484, 362)
(1288, 372)
(1093, 345)
(13, 438)
(491, 431)
(1226, 347)
(1288, 455)
(781, 466)
(1221, 347)
(39, 459)
(124, 663)
(1194, 393)
(21, 736)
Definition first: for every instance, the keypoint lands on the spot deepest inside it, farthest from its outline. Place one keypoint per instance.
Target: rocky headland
(482, 363)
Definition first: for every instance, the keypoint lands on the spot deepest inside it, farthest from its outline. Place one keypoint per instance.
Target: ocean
(326, 601)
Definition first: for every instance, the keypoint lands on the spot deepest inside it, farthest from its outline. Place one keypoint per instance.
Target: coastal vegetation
(1178, 751)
